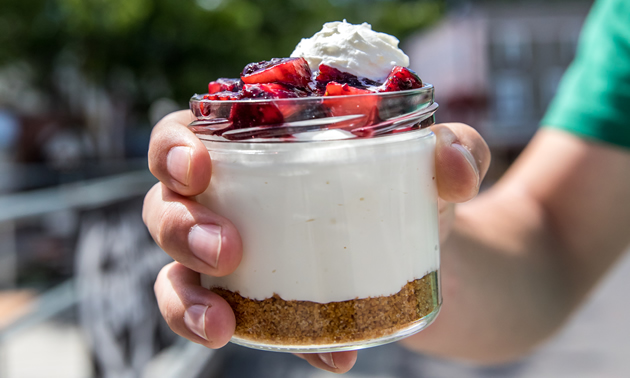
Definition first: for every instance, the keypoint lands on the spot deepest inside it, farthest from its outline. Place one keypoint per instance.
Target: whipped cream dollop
(356, 49)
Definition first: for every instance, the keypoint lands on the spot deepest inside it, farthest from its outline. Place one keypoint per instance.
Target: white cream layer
(356, 49)
(327, 221)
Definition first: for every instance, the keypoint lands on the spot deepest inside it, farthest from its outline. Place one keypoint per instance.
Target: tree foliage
(173, 48)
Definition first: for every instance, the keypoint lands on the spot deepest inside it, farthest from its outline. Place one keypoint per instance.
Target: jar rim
(313, 118)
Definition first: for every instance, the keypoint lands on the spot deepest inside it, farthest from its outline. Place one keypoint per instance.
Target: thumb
(462, 158)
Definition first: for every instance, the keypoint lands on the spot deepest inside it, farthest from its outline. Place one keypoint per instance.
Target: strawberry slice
(328, 74)
(271, 90)
(400, 79)
(341, 106)
(337, 89)
(253, 114)
(292, 71)
(223, 96)
(224, 84)
(289, 109)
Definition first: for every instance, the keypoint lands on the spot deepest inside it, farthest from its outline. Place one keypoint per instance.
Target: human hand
(203, 242)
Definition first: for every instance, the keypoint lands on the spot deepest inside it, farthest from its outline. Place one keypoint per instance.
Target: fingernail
(469, 158)
(195, 320)
(327, 358)
(204, 241)
(178, 164)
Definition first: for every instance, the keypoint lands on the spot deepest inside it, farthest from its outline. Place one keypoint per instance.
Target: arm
(526, 253)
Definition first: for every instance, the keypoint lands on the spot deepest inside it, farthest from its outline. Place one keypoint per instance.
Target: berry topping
(400, 79)
(223, 84)
(327, 74)
(223, 96)
(363, 105)
(292, 71)
(248, 115)
(291, 78)
(218, 109)
(271, 90)
(337, 89)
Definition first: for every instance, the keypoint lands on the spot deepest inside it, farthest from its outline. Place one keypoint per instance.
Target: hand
(203, 242)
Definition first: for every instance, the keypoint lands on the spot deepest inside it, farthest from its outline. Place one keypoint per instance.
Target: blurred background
(82, 82)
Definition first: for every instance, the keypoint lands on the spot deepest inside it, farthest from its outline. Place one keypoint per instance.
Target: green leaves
(104, 16)
(184, 43)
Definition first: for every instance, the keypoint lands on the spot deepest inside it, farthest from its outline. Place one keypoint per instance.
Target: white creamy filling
(355, 49)
(327, 221)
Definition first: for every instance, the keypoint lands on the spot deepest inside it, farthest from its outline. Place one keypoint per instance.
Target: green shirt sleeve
(593, 99)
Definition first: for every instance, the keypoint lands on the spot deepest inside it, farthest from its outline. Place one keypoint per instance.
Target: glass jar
(337, 209)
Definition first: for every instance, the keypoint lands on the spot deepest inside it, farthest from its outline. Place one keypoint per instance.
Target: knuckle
(171, 221)
(170, 314)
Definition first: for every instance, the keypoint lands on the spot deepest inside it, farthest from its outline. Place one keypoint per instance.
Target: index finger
(177, 157)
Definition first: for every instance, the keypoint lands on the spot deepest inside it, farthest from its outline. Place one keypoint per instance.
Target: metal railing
(101, 235)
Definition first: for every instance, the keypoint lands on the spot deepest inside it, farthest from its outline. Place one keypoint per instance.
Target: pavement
(46, 350)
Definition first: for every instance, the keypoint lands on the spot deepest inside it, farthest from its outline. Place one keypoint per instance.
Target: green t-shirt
(593, 99)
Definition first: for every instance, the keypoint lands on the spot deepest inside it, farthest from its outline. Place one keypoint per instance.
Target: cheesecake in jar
(329, 178)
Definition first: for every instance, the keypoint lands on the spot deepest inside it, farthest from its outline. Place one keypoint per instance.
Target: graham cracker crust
(279, 322)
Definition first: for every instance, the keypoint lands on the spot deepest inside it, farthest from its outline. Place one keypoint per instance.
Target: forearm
(524, 255)
(583, 188)
(502, 283)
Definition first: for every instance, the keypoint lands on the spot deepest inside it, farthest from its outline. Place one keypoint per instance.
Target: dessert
(328, 174)
(314, 70)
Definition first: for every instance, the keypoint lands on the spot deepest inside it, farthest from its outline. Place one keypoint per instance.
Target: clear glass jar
(338, 217)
